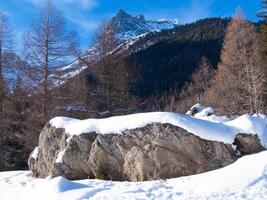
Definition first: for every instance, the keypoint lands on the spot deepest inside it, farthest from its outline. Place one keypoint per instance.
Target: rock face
(248, 143)
(156, 151)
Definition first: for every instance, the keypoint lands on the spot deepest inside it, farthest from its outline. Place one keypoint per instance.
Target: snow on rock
(204, 129)
(195, 109)
(35, 153)
(245, 179)
(250, 124)
(206, 113)
(60, 155)
(210, 130)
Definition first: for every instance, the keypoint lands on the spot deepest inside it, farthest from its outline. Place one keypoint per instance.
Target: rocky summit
(126, 26)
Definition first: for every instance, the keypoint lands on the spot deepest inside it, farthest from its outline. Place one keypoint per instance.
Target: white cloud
(198, 9)
(36, 2)
(73, 10)
(83, 23)
(86, 4)
(186, 11)
(83, 3)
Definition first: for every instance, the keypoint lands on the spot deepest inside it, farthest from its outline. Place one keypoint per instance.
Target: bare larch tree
(46, 47)
(238, 86)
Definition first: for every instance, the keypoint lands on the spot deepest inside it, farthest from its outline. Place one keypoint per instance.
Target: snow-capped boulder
(144, 146)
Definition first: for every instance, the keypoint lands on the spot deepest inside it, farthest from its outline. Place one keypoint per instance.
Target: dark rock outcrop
(156, 151)
(248, 143)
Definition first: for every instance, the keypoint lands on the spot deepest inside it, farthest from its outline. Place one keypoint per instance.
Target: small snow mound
(61, 184)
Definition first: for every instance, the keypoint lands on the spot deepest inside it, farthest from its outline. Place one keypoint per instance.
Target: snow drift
(244, 179)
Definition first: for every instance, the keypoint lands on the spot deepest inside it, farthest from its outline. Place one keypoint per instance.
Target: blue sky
(83, 16)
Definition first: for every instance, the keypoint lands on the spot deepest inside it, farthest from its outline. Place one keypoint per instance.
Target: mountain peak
(122, 13)
(127, 26)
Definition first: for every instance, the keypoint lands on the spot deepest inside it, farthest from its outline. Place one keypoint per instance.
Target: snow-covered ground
(244, 179)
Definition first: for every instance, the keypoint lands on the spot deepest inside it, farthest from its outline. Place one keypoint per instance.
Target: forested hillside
(152, 66)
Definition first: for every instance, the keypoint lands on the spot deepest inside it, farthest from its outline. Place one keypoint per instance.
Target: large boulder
(156, 151)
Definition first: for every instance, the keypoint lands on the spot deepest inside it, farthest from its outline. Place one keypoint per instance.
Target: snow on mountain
(206, 129)
(62, 74)
(245, 179)
(127, 27)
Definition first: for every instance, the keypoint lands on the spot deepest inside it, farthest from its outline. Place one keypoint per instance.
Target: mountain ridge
(128, 29)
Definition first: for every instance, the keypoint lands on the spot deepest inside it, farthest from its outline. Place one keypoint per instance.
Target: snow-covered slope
(206, 129)
(244, 179)
(62, 74)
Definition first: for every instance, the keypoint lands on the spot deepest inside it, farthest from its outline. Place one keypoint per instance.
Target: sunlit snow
(244, 179)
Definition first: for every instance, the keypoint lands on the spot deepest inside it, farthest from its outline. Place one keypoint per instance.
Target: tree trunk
(1, 73)
(46, 67)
